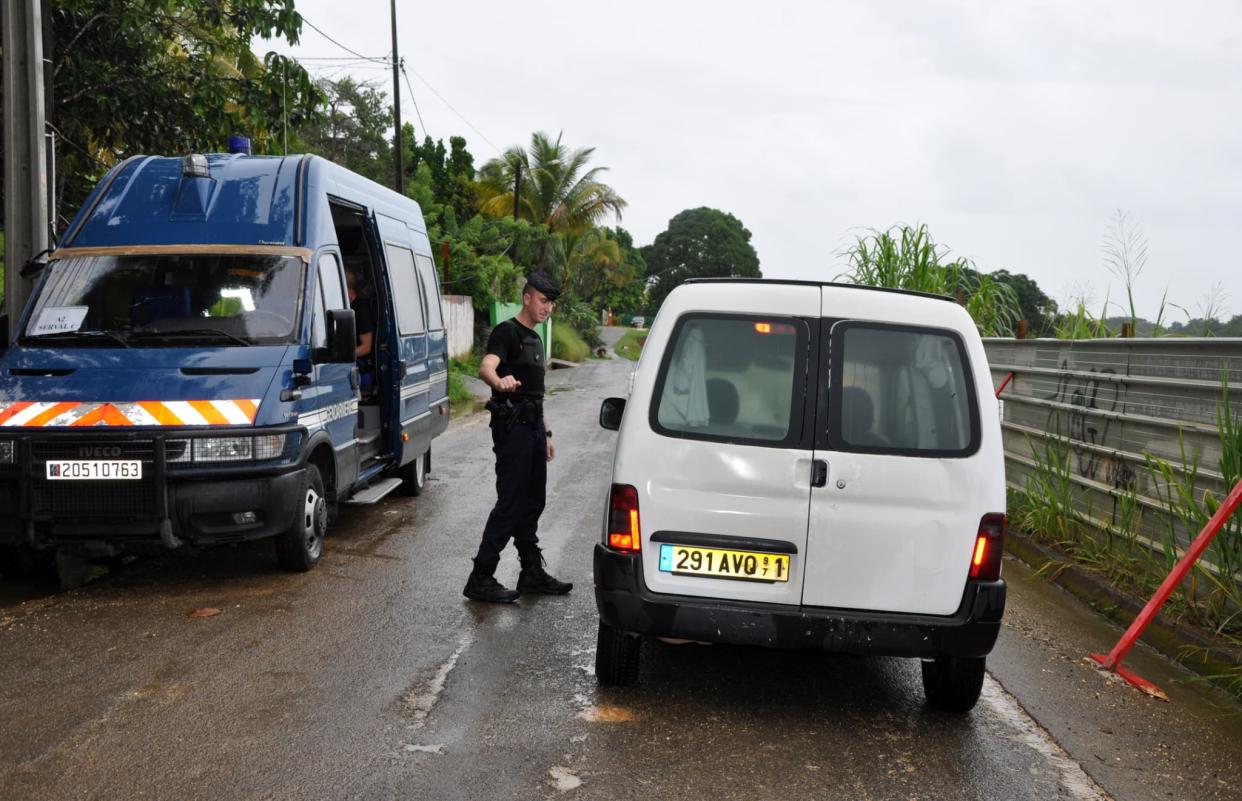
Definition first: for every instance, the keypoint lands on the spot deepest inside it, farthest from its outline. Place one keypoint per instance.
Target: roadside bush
(567, 344)
(582, 318)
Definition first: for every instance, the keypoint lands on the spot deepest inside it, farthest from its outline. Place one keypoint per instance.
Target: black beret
(544, 283)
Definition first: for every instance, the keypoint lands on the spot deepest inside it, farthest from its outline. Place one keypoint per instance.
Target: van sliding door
(411, 379)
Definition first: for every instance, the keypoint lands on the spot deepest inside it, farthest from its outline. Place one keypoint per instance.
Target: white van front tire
(953, 683)
(616, 656)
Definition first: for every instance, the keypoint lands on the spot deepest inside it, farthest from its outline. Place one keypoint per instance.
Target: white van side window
(731, 378)
(902, 389)
(431, 291)
(406, 295)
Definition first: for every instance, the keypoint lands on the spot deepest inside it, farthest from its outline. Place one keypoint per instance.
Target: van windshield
(168, 300)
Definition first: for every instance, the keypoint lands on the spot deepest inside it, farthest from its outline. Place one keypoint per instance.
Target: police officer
(513, 367)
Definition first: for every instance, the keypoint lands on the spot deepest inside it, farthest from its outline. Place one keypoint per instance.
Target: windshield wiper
(66, 336)
(182, 333)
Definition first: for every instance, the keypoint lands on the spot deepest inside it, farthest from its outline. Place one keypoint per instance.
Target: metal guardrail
(1109, 404)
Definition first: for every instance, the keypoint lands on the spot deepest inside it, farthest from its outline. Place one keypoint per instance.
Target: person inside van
(364, 320)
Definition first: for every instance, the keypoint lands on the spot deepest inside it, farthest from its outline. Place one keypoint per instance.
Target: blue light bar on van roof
(195, 166)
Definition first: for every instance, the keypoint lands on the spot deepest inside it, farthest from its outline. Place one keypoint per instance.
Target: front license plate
(690, 560)
(94, 469)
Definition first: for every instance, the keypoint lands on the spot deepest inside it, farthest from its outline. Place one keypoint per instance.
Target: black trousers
(521, 486)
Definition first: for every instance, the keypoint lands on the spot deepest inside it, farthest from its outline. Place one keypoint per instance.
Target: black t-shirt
(364, 323)
(364, 317)
(521, 355)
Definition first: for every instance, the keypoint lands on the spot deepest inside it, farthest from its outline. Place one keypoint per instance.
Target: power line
(338, 44)
(414, 100)
(455, 111)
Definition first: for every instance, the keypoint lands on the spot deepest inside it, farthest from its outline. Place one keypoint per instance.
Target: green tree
(353, 129)
(558, 189)
(698, 243)
(1039, 310)
(167, 76)
(628, 290)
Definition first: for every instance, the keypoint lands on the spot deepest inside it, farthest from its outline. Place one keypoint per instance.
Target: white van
(807, 466)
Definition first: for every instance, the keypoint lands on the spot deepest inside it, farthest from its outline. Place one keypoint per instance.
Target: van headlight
(8, 450)
(226, 449)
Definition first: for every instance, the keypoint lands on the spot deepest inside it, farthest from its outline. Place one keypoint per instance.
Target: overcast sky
(1015, 131)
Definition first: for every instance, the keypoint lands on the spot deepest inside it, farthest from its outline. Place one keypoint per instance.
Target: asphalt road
(372, 678)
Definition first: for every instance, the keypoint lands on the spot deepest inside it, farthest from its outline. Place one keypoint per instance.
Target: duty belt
(508, 410)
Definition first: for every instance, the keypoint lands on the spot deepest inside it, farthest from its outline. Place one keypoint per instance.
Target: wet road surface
(372, 678)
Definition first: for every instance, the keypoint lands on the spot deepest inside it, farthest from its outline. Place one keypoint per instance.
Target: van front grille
(94, 499)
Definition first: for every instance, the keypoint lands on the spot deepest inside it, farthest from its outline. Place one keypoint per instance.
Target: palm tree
(557, 188)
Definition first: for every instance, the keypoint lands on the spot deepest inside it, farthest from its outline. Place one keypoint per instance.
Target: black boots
(483, 586)
(534, 579)
(487, 589)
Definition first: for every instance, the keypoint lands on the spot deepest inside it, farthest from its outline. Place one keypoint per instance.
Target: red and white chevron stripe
(53, 414)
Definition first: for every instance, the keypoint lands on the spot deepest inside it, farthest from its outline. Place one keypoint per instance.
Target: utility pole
(25, 149)
(396, 104)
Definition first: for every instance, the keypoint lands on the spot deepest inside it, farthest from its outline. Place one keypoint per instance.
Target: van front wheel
(301, 545)
(414, 475)
(616, 656)
(953, 683)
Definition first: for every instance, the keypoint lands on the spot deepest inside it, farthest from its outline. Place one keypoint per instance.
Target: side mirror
(342, 338)
(610, 413)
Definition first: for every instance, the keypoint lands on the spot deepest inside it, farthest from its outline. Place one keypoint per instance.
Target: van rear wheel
(616, 656)
(299, 547)
(953, 683)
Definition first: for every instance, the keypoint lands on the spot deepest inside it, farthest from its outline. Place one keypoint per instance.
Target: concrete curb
(1171, 639)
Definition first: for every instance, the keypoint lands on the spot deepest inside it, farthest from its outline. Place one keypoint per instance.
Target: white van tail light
(985, 562)
(623, 531)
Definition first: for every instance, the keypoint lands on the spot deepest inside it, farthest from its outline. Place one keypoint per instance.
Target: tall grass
(906, 257)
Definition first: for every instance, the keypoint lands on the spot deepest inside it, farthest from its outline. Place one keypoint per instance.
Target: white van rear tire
(953, 683)
(616, 656)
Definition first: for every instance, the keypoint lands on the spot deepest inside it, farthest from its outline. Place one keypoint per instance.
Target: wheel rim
(314, 522)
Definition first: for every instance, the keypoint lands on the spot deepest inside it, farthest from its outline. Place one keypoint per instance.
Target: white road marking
(438, 748)
(563, 779)
(1074, 779)
(420, 703)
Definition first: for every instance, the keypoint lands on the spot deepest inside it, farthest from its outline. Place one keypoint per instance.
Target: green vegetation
(698, 243)
(906, 257)
(630, 346)
(1050, 507)
(568, 345)
(167, 76)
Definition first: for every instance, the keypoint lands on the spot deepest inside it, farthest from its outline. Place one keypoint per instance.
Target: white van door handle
(819, 473)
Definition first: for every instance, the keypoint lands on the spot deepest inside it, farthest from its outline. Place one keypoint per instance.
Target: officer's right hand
(508, 384)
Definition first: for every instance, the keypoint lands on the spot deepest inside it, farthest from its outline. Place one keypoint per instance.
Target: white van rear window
(731, 378)
(901, 389)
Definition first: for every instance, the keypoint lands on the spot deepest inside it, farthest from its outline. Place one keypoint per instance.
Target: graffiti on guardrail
(1083, 393)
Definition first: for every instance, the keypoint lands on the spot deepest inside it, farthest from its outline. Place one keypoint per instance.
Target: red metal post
(1004, 384)
(1210, 530)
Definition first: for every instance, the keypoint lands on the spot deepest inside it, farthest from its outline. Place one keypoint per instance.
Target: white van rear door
(898, 423)
(723, 466)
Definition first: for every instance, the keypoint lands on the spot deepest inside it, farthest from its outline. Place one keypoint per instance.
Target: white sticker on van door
(59, 320)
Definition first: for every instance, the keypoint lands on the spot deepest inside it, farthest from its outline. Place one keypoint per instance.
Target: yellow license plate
(691, 560)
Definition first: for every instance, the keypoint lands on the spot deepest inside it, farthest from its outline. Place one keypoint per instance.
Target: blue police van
(191, 366)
